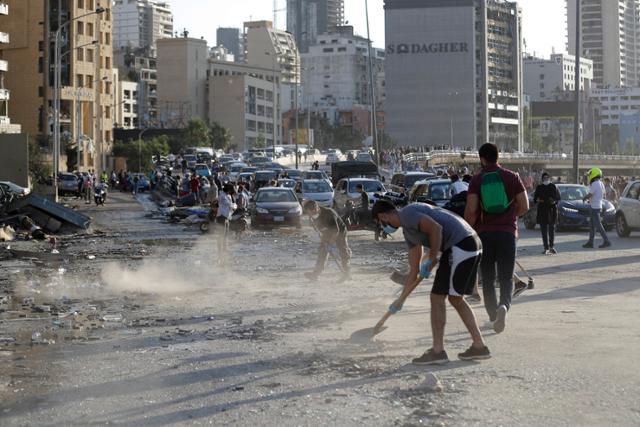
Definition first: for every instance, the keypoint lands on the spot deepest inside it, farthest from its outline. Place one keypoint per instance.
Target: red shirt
(507, 221)
(195, 185)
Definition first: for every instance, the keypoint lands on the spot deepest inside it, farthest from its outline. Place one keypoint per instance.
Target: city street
(150, 330)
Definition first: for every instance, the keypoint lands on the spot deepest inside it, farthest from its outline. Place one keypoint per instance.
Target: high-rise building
(267, 47)
(135, 65)
(5, 94)
(335, 74)
(86, 116)
(610, 37)
(307, 19)
(548, 79)
(231, 39)
(141, 23)
(454, 73)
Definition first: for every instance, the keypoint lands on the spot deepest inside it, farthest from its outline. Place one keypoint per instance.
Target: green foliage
(220, 136)
(38, 168)
(261, 142)
(197, 134)
(141, 152)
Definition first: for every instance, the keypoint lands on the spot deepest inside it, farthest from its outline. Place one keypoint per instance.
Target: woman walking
(547, 197)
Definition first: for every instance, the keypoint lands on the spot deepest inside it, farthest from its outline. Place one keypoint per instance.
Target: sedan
(318, 190)
(15, 189)
(202, 170)
(628, 215)
(345, 191)
(143, 181)
(573, 213)
(435, 190)
(275, 206)
(67, 183)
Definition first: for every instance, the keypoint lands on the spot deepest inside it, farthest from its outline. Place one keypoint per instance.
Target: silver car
(628, 214)
(67, 183)
(316, 189)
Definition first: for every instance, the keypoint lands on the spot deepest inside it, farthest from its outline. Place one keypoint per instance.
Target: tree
(220, 136)
(38, 169)
(261, 142)
(197, 133)
(140, 152)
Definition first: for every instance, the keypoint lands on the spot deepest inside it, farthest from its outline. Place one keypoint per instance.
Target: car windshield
(409, 180)
(572, 193)
(189, 157)
(201, 168)
(440, 191)
(287, 183)
(68, 177)
(369, 186)
(293, 172)
(316, 187)
(314, 175)
(274, 196)
(237, 168)
(265, 176)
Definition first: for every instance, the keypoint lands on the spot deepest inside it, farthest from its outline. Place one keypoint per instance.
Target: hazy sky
(543, 20)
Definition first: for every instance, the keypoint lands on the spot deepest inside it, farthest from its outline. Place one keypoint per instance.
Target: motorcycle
(100, 194)
(358, 220)
(239, 222)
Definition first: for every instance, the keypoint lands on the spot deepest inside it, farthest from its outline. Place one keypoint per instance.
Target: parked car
(143, 182)
(628, 214)
(202, 170)
(436, 190)
(287, 183)
(572, 211)
(345, 190)
(402, 182)
(67, 183)
(15, 189)
(315, 189)
(274, 206)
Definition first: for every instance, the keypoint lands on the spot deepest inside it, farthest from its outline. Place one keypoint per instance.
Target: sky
(544, 25)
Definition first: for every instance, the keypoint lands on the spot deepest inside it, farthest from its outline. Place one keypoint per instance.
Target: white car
(316, 189)
(628, 214)
(15, 189)
(332, 158)
(345, 190)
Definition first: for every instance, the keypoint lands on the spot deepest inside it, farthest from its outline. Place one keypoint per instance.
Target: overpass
(557, 163)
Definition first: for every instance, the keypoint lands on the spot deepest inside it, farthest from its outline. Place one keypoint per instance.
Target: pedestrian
(595, 198)
(226, 207)
(333, 234)
(205, 187)
(80, 185)
(194, 186)
(547, 196)
(87, 186)
(136, 180)
(610, 192)
(437, 229)
(362, 211)
(457, 186)
(495, 200)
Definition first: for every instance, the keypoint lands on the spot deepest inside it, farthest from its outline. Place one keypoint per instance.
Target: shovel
(402, 298)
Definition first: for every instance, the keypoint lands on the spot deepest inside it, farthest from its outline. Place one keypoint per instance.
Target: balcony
(4, 9)
(4, 94)
(4, 37)
(4, 65)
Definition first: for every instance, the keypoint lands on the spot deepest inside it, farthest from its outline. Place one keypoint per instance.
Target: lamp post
(56, 94)
(374, 119)
(275, 103)
(140, 148)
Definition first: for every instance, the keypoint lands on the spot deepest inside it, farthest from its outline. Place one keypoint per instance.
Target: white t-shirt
(597, 190)
(458, 187)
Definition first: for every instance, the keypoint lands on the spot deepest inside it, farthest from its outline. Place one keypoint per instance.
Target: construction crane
(275, 13)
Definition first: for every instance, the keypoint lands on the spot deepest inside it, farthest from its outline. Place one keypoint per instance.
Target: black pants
(342, 246)
(548, 235)
(498, 255)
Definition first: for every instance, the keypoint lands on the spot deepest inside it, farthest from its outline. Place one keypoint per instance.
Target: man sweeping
(457, 250)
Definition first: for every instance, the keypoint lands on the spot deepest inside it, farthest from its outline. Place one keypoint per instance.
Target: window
(327, 49)
(107, 39)
(90, 29)
(90, 4)
(251, 125)
(107, 62)
(107, 88)
(79, 80)
(40, 91)
(89, 81)
(80, 28)
(80, 4)
(89, 55)
(41, 46)
(40, 65)
(107, 112)
(342, 49)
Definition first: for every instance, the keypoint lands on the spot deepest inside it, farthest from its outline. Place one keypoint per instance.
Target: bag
(457, 204)
(493, 195)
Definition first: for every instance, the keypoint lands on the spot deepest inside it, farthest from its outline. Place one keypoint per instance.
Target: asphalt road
(254, 343)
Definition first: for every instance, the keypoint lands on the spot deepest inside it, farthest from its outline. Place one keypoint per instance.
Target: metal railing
(533, 157)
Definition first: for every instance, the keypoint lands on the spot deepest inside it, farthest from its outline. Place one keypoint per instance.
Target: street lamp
(451, 95)
(56, 94)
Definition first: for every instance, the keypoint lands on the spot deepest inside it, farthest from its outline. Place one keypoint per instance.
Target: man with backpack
(497, 197)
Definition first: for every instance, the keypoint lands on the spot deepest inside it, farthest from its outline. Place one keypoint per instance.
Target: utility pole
(297, 116)
(374, 124)
(576, 121)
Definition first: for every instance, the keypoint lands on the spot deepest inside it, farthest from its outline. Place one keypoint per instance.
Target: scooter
(100, 194)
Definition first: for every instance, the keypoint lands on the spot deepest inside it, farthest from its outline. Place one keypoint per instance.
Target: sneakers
(519, 288)
(588, 245)
(501, 319)
(545, 252)
(431, 358)
(553, 251)
(474, 298)
(312, 276)
(605, 245)
(475, 354)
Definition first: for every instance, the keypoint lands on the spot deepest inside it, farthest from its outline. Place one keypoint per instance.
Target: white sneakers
(501, 319)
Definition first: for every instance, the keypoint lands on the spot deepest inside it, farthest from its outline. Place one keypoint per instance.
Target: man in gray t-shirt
(442, 232)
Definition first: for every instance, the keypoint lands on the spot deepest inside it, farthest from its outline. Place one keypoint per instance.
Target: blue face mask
(389, 229)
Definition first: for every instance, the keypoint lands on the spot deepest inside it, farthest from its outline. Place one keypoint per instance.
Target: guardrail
(532, 157)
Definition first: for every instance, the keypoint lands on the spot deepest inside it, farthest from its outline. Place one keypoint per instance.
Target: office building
(125, 102)
(453, 73)
(547, 79)
(5, 95)
(307, 19)
(615, 103)
(137, 66)
(182, 80)
(232, 40)
(86, 73)
(267, 47)
(610, 34)
(241, 98)
(335, 75)
(141, 23)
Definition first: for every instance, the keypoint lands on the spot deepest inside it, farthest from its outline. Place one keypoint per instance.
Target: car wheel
(621, 226)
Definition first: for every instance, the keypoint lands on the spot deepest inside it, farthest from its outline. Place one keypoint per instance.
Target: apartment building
(141, 23)
(5, 95)
(307, 19)
(547, 79)
(86, 116)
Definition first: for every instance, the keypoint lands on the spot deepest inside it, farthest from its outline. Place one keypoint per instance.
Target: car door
(631, 207)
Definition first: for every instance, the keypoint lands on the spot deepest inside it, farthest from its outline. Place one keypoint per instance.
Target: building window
(80, 28)
(342, 49)
(89, 81)
(89, 55)
(107, 88)
(41, 46)
(107, 112)
(327, 50)
(80, 4)
(251, 125)
(107, 39)
(40, 91)
(90, 29)
(40, 65)
(79, 80)
(107, 62)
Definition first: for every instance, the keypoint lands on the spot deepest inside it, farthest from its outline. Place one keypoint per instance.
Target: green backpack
(493, 195)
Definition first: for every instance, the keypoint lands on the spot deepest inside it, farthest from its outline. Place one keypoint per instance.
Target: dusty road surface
(150, 331)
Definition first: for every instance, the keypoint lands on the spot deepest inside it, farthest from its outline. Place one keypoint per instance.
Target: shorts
(458, 268)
